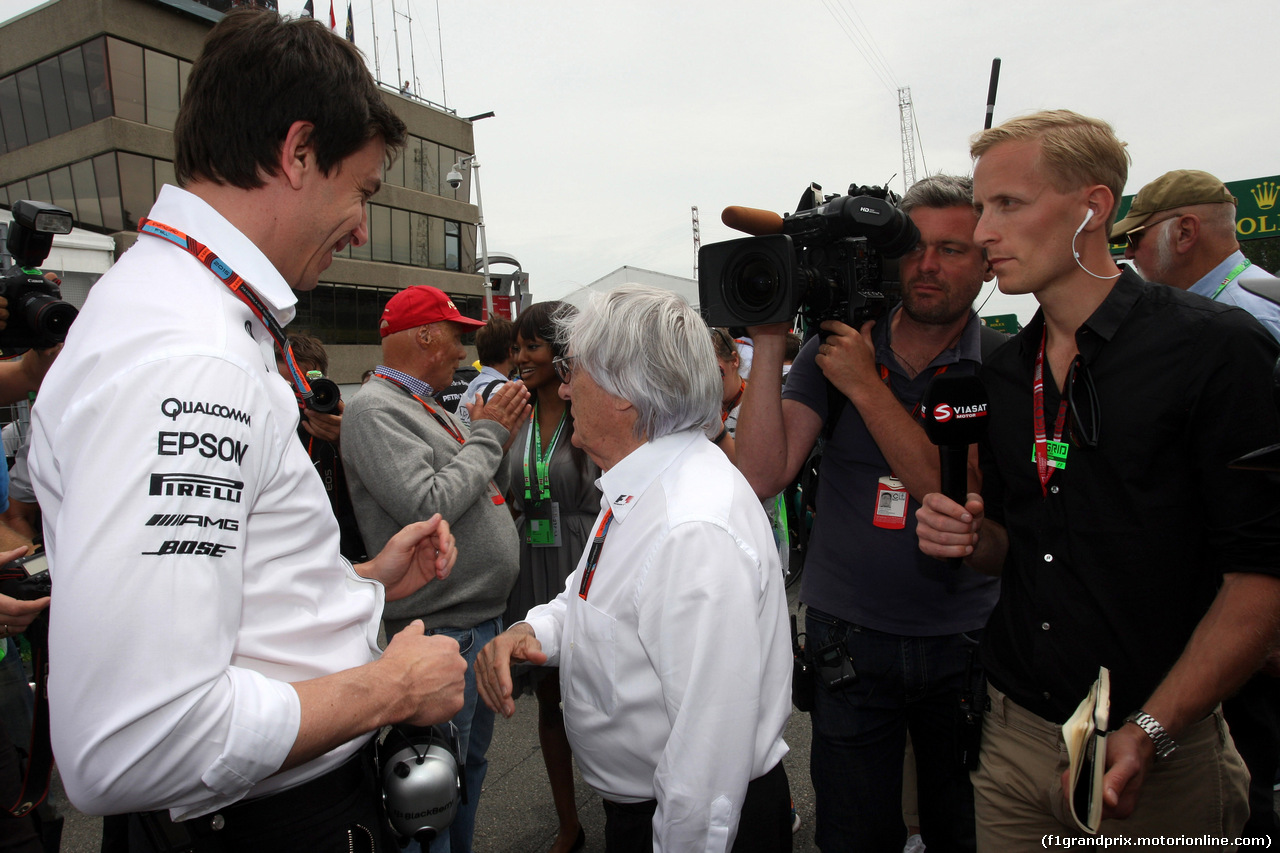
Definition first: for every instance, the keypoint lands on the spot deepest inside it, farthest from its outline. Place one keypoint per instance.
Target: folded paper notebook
(1085, 734)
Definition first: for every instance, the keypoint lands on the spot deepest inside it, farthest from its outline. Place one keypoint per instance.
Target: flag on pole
(309, 10)
(351, 27)
(333, 22)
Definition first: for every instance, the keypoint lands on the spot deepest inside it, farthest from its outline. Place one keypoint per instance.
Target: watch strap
(1164, 744)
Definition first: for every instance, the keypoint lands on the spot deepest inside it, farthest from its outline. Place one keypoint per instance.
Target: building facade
(86, 123)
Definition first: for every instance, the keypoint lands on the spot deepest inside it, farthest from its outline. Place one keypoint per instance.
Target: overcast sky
(613, 119)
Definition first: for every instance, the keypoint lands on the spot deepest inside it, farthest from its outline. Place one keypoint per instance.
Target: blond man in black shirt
(1113, 416)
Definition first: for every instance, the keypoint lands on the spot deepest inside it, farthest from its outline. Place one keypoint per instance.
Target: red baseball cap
(418, 306)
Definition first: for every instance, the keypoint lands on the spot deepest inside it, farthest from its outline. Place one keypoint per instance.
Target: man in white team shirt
(212, 654)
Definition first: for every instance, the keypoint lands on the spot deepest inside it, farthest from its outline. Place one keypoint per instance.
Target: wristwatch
(1164, 744)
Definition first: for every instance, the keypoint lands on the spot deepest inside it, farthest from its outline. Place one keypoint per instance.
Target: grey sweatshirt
(402, 466)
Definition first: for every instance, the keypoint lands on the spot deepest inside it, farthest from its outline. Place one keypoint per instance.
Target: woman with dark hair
(553, 490)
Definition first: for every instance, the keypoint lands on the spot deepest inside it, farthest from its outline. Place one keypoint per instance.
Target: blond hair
(1077, 150)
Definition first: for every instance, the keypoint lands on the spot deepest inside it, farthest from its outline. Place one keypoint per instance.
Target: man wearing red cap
(408, 458)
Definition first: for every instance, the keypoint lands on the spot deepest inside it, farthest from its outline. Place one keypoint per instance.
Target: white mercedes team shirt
(192, 548)
(675, 671)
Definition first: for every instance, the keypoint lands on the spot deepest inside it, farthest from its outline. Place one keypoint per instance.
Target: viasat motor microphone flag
(351, 27)
(309, 10)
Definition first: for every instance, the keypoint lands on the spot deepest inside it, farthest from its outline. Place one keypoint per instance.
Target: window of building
(54, 98)
(137, 187)
(128, 82)
(32, 108)
(451, 246)
(64, 195)
(108, 180)
(76, 84)
(86, 190)
(162, 89)
(95, 71)
(400, 239)
(15, 132)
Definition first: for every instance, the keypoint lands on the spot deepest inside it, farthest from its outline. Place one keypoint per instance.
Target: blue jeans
(475, 730)
(859, 738)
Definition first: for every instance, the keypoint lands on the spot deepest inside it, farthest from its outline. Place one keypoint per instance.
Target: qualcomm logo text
(173, 407)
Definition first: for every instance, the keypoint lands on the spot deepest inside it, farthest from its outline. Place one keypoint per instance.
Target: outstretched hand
(493, 665)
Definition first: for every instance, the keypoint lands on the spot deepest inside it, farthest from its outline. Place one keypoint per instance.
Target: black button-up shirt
(1116, 562)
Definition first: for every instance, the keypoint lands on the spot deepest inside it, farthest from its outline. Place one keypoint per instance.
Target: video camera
(830, 260)
(38, 318)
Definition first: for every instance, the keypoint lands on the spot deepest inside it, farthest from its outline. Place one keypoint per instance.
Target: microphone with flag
(955, 409)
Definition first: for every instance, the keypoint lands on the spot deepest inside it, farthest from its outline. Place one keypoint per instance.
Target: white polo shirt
(191, 544)
(675, 671)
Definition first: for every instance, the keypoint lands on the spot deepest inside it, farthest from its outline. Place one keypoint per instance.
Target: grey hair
(939, 191)
(649, 347)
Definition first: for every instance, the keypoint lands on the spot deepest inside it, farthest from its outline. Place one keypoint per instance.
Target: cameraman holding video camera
(882, 602)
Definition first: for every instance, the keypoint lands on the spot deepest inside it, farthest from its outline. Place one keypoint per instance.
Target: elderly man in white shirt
(671, 634)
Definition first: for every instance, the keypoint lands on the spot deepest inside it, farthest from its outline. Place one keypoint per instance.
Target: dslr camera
(38, 318)
(833, 259)
(325, 393)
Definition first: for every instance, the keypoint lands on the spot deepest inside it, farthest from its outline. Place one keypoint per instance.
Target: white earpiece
(1088, 214)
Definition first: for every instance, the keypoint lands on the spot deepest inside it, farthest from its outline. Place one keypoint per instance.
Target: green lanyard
(542, 478)
(1231, 276)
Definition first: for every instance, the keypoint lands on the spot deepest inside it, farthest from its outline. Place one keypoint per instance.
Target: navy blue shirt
(868, 575)
(1116, 562)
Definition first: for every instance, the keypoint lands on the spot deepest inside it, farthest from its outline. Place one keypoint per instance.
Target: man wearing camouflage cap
(1181, 231)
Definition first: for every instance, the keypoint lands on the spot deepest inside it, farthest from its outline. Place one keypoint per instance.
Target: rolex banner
(1257, 209)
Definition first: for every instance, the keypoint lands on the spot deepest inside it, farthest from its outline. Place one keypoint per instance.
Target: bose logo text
(191, 546)
(197, 486)
(208, 445)
(173, 407)
(179, 520)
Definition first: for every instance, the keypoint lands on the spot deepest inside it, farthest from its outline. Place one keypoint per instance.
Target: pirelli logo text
(197, 486)
(166, 519)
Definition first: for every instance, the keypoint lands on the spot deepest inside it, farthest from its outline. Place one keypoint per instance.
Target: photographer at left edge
(871, 594)
(211, 653)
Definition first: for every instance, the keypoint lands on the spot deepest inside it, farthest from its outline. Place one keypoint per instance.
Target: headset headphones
(419, 771)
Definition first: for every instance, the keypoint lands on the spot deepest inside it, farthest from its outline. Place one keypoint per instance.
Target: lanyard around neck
(593, 556)
(241, 288)
(539, 487)
(727, 408)
(452, 430)
(1231, 276)
(1042, 440)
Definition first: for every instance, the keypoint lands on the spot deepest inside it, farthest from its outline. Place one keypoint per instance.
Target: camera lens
(754, 286)
(47, 317)
(325, 396)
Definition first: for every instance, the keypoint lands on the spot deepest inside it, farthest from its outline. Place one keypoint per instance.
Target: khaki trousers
(1201, 790)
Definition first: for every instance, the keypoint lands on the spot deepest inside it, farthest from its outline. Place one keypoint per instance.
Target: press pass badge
(1057, 453)
(891, 504)
(544, 524)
